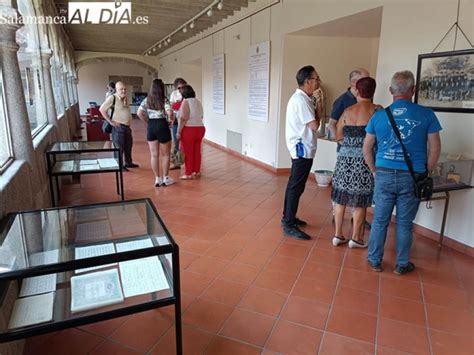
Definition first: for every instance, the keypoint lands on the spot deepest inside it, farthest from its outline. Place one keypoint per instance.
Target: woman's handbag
(177, 158)
(106, 126)
(423, 183)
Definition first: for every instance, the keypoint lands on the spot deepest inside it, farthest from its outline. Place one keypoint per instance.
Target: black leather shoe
(296, 233)
(298, 223)
(131, 165)
(124, 168)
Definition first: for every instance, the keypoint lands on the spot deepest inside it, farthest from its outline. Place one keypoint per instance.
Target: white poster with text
(259, 74)
(218, 84)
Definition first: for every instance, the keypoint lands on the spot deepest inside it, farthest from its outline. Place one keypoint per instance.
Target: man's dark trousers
(300, 169)
(122, 136)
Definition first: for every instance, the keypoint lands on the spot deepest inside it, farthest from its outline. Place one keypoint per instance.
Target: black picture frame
(445, 81)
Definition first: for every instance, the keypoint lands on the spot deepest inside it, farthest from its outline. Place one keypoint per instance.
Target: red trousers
(191, 138)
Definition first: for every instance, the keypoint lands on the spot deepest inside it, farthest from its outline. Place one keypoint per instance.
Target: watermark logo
(103, 13)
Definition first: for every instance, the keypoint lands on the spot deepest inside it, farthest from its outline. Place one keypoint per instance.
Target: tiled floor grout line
(246, 292)
(377, 323)
(426, 313)
(297, 277)
(332, 301)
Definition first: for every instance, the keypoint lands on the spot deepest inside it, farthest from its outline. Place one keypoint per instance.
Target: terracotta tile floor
(249, 290)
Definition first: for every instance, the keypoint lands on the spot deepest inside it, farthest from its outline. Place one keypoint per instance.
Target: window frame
(6, 122)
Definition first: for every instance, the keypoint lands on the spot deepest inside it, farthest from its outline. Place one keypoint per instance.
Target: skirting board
(424, 232)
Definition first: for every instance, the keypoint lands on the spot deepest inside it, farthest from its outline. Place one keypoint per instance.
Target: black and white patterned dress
(353, 183)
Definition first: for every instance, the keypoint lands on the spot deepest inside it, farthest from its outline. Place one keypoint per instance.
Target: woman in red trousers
(191, 132)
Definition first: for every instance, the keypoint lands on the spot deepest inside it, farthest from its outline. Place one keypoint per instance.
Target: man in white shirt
(302, 122)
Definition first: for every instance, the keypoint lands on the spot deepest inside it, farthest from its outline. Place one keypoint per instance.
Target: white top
(155, 114)
(175, 96)
(195, 112)
(300, 111)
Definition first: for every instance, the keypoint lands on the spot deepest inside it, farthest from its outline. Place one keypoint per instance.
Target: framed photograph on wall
(445, 81)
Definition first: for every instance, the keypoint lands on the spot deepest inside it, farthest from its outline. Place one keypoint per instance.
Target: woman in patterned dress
(353, 183)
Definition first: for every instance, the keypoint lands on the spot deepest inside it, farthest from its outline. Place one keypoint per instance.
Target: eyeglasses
(316, 78)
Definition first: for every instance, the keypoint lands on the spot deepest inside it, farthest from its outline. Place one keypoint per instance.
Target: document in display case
(32, 310)
(95, 290)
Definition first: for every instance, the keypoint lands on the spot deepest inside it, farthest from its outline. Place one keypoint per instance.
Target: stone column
(15, 99)
(48, 87)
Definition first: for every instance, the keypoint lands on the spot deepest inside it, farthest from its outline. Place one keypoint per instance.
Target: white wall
(333, 58)
(93, 79)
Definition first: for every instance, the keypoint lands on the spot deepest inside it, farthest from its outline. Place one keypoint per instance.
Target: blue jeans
(393, 188)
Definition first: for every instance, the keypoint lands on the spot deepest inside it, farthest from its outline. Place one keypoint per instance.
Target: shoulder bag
(423, 183)
(106, 126)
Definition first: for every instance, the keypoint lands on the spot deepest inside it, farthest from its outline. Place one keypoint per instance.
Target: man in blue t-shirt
(346, 99)
(419, 129)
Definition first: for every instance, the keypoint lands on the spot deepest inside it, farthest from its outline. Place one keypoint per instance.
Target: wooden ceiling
(164, 16)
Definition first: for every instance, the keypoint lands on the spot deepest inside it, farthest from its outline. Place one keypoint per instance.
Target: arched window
(56, 71)
(6, 154)
(29, 60)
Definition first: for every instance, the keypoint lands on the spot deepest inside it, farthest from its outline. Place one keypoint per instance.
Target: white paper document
(63, 166)
(38, 285)
(95, 290)
(141, 276)
(134, 245)
(32, 310)
(89, 167)
(108, 163)
(94, 250)
(44, 257)
(88, 162)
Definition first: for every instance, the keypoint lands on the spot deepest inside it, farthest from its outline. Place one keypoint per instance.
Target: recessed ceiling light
(220, 6)
(209, 12)
(185, 29)
(191, 25)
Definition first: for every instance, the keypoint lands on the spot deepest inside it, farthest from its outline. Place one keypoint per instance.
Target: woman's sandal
(357, 244)
(339, 240)
(196, 175)
(186, 177)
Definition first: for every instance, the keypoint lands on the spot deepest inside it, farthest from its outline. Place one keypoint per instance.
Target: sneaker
(131, 165)
(356, 244)
(401, 270)
(158, 181)
(168, 181)
(377, 267)
(339, 240)
(296, 233)
(298, 223)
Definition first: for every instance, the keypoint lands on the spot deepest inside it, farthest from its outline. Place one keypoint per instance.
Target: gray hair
(402, 83)
(354, 73)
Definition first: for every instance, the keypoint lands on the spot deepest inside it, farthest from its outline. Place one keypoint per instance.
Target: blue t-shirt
(341, 103)
(414, 122)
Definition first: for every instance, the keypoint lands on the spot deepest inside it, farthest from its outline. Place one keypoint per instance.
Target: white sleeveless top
(195, 113)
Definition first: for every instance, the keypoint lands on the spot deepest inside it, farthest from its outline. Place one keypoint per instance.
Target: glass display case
(76, 158)
(65, 267)
(453, 172)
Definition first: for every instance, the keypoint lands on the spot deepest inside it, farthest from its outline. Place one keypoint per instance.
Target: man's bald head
(357, 74)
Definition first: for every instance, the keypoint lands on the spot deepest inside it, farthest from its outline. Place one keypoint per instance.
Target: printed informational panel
(259, 74)
(218, 84)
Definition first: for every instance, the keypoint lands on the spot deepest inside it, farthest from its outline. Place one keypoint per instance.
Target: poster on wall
(259, 74)
(445, 81)
(218, 84)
